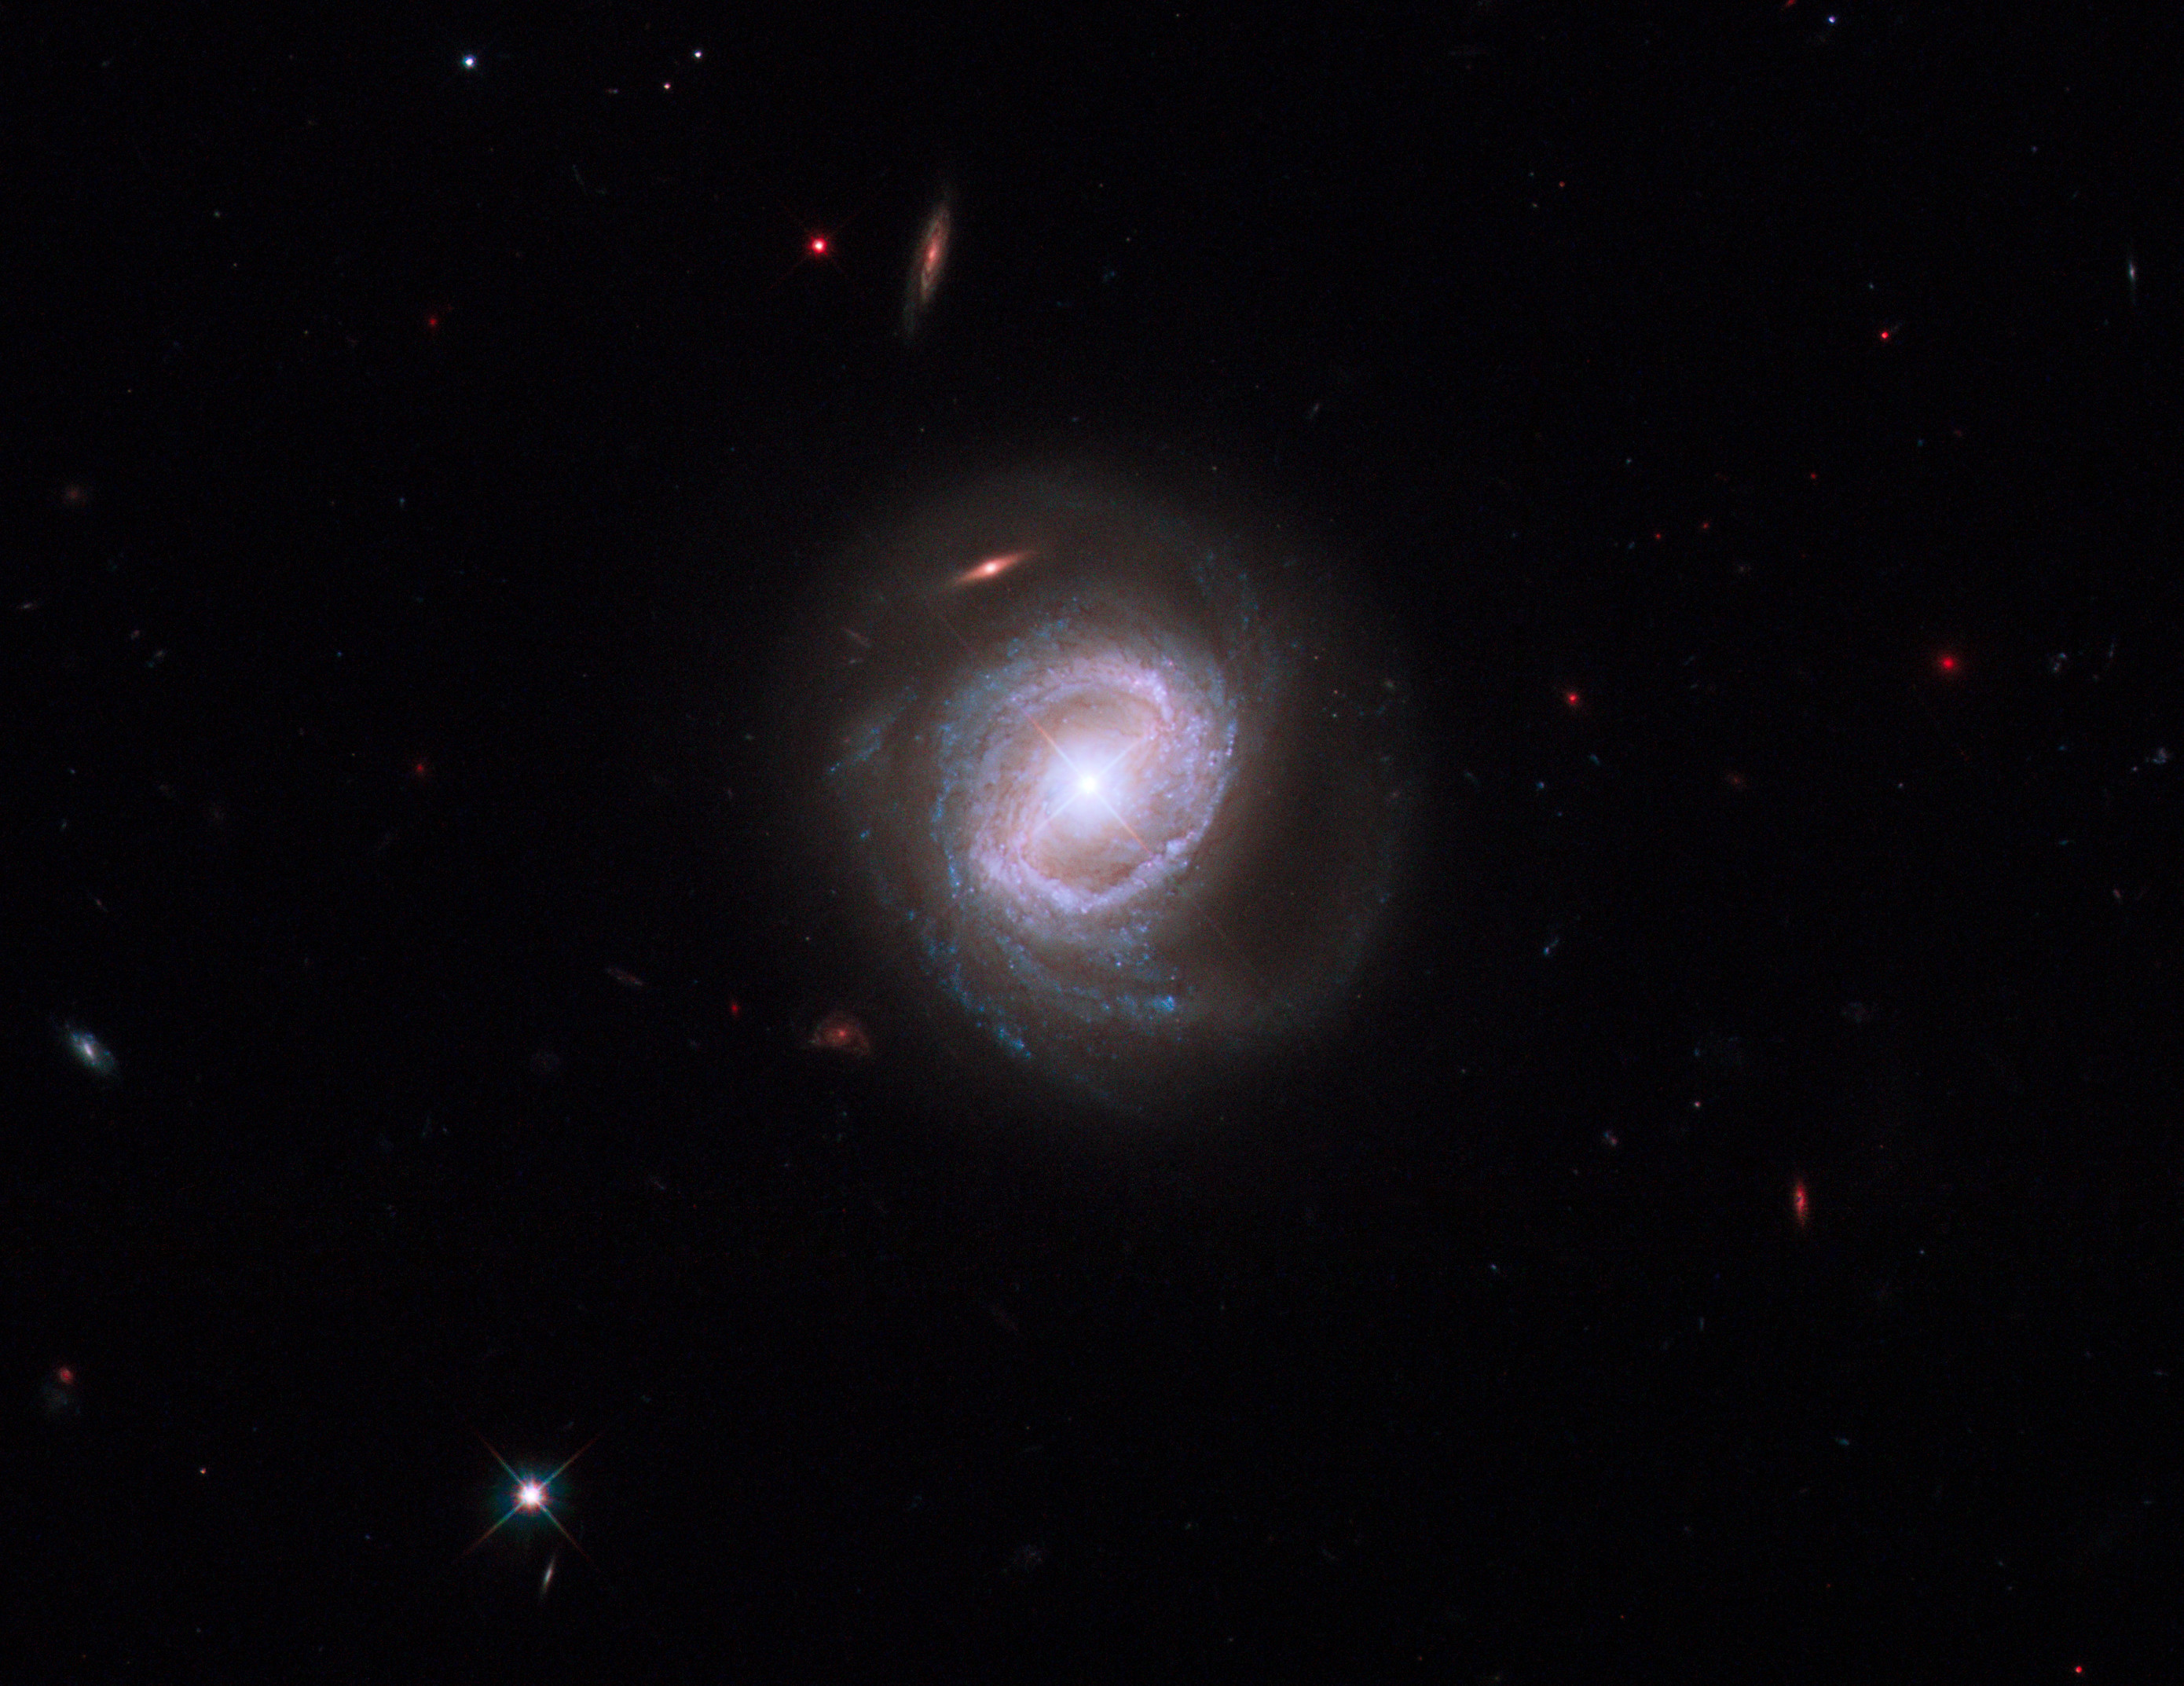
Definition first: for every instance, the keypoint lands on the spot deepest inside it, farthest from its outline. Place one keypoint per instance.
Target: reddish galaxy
(993, 567)
(842, 1034)
(929, 263)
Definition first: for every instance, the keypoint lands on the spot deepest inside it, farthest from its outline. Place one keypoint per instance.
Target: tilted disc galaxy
(1121, 779)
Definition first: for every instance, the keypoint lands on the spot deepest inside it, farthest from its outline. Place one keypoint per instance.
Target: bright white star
(533, 1496)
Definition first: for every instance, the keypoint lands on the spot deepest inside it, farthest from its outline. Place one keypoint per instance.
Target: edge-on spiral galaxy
(1126, 783)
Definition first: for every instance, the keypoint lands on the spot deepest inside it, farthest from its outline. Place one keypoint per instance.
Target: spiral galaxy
(1127, 784)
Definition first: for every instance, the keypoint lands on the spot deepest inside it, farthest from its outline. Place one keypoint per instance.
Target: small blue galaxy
(87, 1051)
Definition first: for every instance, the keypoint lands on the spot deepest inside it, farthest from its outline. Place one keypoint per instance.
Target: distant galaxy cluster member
(929, 263)
(1123, 784)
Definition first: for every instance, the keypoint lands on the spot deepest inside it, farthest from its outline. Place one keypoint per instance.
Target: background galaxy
(1590, 1094)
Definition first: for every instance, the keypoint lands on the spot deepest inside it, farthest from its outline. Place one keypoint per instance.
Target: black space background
(1728, 368)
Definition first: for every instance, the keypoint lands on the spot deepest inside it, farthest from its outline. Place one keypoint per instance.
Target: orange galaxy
(992, 567)
(841, 1032)
(927, 263)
